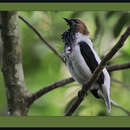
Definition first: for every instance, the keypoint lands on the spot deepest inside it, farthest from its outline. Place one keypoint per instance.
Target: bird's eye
(74, 20)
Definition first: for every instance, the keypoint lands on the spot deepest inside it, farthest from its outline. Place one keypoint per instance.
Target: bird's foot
(82, 92)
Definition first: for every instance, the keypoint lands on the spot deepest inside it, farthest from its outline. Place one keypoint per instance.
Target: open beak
(69, 21)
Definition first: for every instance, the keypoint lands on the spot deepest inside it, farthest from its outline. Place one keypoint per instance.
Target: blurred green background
(42, 67)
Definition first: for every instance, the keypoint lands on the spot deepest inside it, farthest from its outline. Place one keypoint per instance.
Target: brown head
(78, 25)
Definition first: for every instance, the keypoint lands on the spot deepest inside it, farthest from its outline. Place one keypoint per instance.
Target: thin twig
(120, 107)
(121, 83)
(98, 70)
(66, 81)
(60, 83)
(114, 104)
(110, 68)
(48, 88)
(41, 37)
(118, 67)
(63, 82)
(117, 105)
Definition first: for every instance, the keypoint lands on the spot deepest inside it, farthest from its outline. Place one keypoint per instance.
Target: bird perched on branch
(82, 60)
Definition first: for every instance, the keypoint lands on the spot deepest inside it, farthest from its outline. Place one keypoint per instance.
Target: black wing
(90, 59)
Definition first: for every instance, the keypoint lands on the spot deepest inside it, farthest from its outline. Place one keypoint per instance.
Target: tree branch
(114, 104)
(66, 81)
(41, 37)
(12, 65)
(49, 88)
(98, 70)
(121, 83)
(110, 68)
(60, 83)
(120, 107)
(117, 105)
(118, 67)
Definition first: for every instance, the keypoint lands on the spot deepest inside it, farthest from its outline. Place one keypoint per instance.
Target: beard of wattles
(69, 35)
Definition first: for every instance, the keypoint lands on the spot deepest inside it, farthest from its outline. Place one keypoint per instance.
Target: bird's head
(77, 25)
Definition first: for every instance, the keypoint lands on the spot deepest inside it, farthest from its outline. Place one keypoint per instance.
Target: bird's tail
(106, 97)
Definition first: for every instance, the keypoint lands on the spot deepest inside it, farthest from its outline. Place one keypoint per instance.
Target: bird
(81, 59)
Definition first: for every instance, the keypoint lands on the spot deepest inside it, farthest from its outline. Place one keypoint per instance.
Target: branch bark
(121, 83)
(49, 88)
(57, 84)
(66, 81)
(42, 38)
(19, 99)
(12, 67)
(119, 107)
(98, 70)
(118, 67)
(63, 82)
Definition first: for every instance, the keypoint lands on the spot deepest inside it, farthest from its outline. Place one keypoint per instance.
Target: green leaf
(120, 24)
(110, 14)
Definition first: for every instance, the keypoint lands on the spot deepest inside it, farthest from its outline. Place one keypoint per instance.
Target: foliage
(42, 67)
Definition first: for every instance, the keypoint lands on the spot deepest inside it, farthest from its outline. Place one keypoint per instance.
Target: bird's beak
(69, 21)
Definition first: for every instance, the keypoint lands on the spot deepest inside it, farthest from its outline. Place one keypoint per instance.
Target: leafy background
(42, 67)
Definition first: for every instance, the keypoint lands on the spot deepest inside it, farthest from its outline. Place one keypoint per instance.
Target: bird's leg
(82, 92)
(95, 93)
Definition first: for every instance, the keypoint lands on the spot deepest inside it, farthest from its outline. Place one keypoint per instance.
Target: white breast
(76, 63)
(78, 67)
(80, 70)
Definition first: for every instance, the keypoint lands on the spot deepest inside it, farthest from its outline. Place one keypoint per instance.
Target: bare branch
(117, 105)
(114, 104)
(66, 81)
(121, 83)
(120, 107)
(12, 65)
(49, 88)
(98, 70)
(42, 38)
(57, 84)
(110, 68)
(118, 67)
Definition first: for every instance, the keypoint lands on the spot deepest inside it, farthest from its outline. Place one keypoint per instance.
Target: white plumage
(82, 60)
(81, 72)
